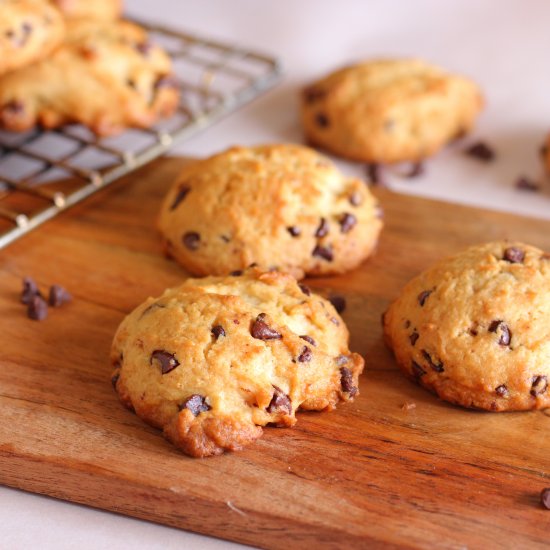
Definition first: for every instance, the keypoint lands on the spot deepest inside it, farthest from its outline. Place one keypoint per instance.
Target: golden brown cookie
(389, 110)
(213, 360)
(277, 206)
(90, 9)
(29, 30)
(475, 328)
(107, 76)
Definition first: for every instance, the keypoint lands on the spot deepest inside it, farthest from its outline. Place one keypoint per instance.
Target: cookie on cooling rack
(475, 328)
(91, 9)
(389, 111)
(213, 360)
(107, 76)
(277, 206)
(29, 30)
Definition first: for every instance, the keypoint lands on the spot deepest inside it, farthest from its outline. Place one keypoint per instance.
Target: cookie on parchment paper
(475, 328)
(389, 111)
(213, 360)
(277, 206)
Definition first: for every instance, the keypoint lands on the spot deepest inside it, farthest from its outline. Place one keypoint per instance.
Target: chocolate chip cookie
(277, 206)
(475, 328)
(213, 360)
(29, 30)
(90, 9)
(107, 76)
(389, 111)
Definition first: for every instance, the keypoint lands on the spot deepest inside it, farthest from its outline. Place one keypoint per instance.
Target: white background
(501, 44)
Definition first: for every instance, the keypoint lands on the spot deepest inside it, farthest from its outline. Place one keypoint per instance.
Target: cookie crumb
(408, 406)
(481, 151)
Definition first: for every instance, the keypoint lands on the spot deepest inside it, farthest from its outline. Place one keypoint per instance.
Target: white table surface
(503, 45)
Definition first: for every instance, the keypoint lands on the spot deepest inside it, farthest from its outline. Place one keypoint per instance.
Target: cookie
(107, 76)
(475, 328)
(90, 9)
(29, 30)
(212, 361)
(389, 111)
(277, 206)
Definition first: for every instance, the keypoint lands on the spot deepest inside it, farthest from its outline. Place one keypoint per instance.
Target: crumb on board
(408, 406)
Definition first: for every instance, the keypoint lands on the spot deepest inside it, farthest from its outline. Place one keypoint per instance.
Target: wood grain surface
(371, 474)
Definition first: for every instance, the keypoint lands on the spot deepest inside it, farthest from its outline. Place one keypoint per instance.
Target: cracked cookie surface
(213, 360)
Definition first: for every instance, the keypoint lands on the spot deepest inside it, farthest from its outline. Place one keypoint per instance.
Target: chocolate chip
(154, 305)
(322, 120)
(312, 94)
(167, 361)
(375, 174)
(30, 289)
(539, 385)
(347, 222)
(514, 255)
(280, 402)
(339, 302)
(437, 367)
(37, 308)
(180, 195)
(305, 356)
(196, 404)
(346, 381)
(59, 296)
(323, 228)
(418, 371)
(545, 498)
(423, 296)
(407, 323)
(526, 184)
(218, 331)
(355, 199)
(308, 339)
(294, 231)
(342, 360)
(324, 252)
(506, 334)
(236, 273)
(191, 240)
(481, 151)
(114, 379)
(335, 321)
(414, 337)
(262, 331)
(502, 391)
(305, 289)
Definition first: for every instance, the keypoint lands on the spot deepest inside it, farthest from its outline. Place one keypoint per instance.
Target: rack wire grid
(215, 79)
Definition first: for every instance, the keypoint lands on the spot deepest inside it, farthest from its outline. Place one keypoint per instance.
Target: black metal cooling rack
(215, 79)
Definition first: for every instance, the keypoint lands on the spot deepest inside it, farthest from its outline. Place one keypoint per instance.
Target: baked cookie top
(278, 206)
(90, 9)
(29, 30)
(107, 76)
(389, 111)
(214, 359)
(475, 328)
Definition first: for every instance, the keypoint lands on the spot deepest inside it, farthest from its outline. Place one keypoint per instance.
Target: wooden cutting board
(370, 474)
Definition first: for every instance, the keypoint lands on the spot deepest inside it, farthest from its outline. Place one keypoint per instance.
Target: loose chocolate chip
(30, 289)
(539, 385)
(347, 222)
(180, 195)
(37, 308)
(514, 255)
(423, 296)
(346, 381)
(59, 296)
(236, 273)
(437, 367)
(324, 252)
(308, 339)
(505, 332)
(191, 240)
(414, 337)
(355, 199)
(375, 174)
(502, 391)
(305, 289)
(322, 120)
(339, 302)
(294, 231)
(313, 94)
(481, 151)
(167, 361)
(305, 356)
(196, 404)
(280, 402)
(323, 228)
(144, 48)
(526, 184)
(545, 498)
(262, 331)
(218, 331)
(114, 379)
(418, 371)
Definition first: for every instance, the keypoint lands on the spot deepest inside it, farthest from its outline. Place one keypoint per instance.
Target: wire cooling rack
(215, 79)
